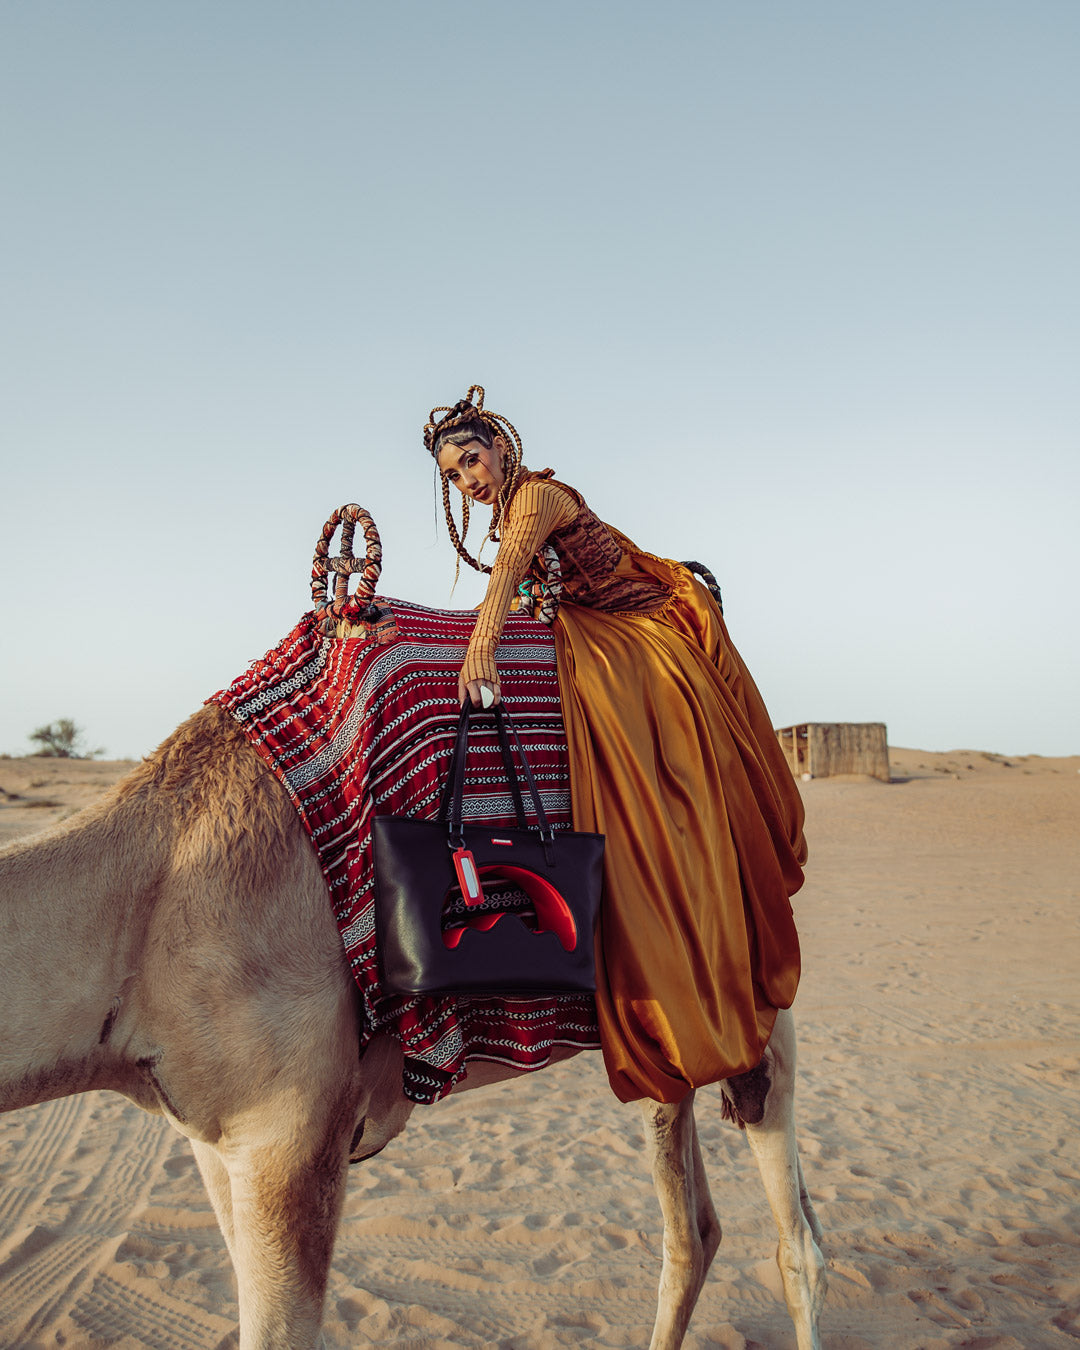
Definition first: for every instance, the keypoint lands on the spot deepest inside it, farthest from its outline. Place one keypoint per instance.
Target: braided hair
(462, 423)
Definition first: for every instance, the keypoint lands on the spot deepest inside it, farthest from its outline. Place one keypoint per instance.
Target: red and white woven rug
(366, 725)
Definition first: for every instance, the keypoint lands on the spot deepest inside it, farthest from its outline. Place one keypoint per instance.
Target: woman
(672, 757)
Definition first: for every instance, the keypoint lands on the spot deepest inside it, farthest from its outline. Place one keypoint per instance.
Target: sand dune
(939, 1111)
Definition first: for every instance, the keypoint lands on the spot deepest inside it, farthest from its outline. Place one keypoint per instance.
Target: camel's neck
(70, 905)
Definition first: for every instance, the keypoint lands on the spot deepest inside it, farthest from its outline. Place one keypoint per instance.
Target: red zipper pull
(468, 877)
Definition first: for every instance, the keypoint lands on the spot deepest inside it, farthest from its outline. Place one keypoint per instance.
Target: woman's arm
(536, 509)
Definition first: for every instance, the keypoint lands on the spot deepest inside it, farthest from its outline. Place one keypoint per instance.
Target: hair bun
(464, 410)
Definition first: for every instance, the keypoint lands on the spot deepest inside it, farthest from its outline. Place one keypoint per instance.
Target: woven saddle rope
(346, 608)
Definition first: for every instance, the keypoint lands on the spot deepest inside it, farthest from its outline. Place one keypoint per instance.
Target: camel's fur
(174, 942)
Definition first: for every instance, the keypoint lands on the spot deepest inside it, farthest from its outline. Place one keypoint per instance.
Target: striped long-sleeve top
(536, 510)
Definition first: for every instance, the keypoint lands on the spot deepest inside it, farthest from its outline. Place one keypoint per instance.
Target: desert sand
(938, 1110)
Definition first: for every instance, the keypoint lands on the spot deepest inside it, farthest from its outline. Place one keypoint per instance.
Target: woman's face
(474, 469)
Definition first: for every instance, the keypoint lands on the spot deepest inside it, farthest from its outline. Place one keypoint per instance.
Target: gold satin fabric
(674, 759)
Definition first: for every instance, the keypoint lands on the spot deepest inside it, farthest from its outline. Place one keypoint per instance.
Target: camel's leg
(218, 1188)
(802, 1266)
(286, 1187)
(691, 1228)
(809, 1213)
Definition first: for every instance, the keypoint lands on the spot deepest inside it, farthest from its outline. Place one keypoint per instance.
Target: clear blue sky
(789, 288)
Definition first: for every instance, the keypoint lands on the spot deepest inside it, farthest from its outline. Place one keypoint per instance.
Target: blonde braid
(510, 474)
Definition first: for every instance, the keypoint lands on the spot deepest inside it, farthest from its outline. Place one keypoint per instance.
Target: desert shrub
(62, 739)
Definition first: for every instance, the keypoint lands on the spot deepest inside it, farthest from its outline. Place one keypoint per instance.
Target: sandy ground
(939, 1117)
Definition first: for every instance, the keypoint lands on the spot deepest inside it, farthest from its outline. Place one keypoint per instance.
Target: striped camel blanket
(358, 726)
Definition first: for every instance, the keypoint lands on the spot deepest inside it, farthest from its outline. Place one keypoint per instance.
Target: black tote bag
(438, 925)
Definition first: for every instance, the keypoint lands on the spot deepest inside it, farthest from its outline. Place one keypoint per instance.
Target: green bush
(62, 739)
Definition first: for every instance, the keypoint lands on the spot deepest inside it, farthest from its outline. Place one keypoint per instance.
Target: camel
(174, 942)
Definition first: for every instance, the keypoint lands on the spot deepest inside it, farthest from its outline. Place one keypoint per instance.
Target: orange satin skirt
(674, 759)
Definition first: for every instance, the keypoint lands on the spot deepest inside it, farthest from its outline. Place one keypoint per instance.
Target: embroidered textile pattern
(355, 726)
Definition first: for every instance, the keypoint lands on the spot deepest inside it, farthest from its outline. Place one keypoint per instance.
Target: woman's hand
(473, 691)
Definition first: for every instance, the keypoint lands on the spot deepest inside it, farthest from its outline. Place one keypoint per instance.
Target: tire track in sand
(55, 1273)
(149, 1315)
(50, 1140)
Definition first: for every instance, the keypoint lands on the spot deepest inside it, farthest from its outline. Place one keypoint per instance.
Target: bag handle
(503, 722)
(458, 757)
(456, 777)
